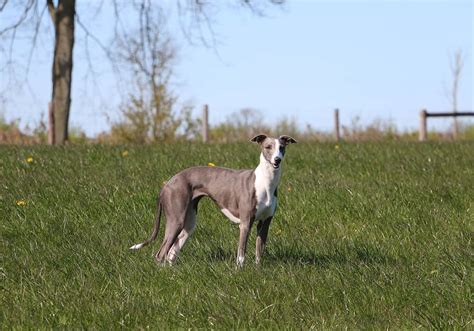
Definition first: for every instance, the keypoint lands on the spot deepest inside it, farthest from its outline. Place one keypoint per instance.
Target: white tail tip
(137, 246)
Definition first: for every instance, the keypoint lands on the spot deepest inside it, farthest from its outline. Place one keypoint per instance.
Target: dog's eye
(268, 147)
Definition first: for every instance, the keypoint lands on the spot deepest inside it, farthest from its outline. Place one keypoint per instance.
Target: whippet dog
(244, 196)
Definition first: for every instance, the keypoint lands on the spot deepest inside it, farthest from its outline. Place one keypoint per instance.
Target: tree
(148, 53)
(63, 20)
(456, 66)
(64, 17)
(239, 126)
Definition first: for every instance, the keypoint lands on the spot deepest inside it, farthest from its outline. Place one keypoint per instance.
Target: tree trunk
(63, 20)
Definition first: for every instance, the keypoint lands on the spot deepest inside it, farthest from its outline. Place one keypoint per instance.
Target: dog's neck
(267, 178)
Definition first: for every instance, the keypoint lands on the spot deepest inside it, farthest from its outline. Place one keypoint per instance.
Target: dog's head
(273, 149)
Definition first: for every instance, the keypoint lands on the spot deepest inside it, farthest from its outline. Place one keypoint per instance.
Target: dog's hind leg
(189, 226)
(173, 228)
(175, 214)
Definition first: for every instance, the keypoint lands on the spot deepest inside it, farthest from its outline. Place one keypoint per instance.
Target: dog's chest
(265, 209)
(266, 200)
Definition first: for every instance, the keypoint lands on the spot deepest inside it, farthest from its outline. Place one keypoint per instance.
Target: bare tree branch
(106, 50)
(196, 14)
(3, 5)
(34, 41)
(20, 20)
(52, 10)
(456, 66)
(92, 36)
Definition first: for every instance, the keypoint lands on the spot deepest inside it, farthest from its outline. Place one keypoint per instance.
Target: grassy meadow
(366, 235)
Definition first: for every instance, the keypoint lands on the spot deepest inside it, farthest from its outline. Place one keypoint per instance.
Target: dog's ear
(286, 140)
(259, 138)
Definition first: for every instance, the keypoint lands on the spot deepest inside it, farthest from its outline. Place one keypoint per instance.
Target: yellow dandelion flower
(125, 153)
(29, 159)
(210, 164)
(336, 147)
(290, 189)
(20, 202)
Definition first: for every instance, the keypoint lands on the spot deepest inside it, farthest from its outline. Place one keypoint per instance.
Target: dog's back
(222, 185)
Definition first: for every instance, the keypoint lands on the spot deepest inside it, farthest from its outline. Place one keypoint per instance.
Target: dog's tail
(155, 228)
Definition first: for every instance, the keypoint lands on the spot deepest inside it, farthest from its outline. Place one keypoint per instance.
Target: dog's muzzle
(276, 163)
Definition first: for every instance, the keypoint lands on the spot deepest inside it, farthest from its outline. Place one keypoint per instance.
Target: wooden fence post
(205, 124)
(337, 132)
(423, 133)
(51, 134)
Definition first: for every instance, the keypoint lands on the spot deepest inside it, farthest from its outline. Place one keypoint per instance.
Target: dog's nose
(277, 160)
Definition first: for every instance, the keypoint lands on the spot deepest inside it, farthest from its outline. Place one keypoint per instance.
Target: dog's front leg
(262, 233)
(245, 225)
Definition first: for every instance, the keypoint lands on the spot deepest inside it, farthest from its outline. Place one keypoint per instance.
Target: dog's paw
(240, 262)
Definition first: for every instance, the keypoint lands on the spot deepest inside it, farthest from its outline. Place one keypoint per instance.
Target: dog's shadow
(362, 254)
(306, 258)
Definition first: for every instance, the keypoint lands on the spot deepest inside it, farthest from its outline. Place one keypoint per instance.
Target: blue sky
(372, 59)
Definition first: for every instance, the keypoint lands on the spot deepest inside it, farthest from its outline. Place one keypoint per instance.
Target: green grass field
(369, 235)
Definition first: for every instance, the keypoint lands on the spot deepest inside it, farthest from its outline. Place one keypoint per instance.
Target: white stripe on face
(277, 152)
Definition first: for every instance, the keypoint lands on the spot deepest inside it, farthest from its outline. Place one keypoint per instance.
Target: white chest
(265, 210)
(266, 182)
